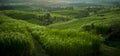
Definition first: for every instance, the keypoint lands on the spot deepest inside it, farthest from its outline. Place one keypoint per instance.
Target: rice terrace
(59, 27)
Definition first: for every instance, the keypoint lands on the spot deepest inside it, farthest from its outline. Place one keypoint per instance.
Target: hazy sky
(82, 1)
(88, 1)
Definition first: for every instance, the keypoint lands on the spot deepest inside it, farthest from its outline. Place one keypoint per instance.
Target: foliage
(77, 37)
(34, 17)
(15, 44)
(66, 42)
(14, 38)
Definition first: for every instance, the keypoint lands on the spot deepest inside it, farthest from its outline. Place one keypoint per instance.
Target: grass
(54, 42)
(15, 44)
(108, 17)
(77, 37)
(35, 17)
(14, 38)
(99, 25)
(67, 43)
(31, 17)
(75, 13)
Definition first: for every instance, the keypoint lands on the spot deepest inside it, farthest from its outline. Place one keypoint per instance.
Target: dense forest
(59, 27)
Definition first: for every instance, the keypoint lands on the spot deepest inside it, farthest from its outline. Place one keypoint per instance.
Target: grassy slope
(21, 39)
(15, 40)
(46, 36)
(35, 17)
(78, 23)
(109, 17)
(32, 17)
(70, 12)
(54, 42)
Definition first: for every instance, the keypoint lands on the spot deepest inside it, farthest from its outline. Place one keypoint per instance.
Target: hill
(35, 17)
(101, 16)
(83, 31)
(24, 36)
(104, 23)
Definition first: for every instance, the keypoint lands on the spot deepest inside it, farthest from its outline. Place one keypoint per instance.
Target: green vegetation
(15, 44)
(102, 17)
(68, 43)
(104, 23)
(35, 17)
(55, 42)
(69, 30)
(14, 38)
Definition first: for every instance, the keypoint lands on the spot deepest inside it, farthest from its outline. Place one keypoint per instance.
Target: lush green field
(101, 17)
(60, 33)
(104, 23)
(55, 42)
(15, 40)
(39, 18)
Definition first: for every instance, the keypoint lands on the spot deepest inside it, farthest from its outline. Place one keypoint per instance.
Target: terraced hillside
(104, 23)
(22, 36)
(55, 34)
(39, 18)
(101, 17)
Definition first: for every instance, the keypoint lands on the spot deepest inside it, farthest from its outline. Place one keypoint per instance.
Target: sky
(85, 1)
(65, 1)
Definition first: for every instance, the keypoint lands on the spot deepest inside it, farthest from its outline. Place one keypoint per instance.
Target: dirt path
(38, 50)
